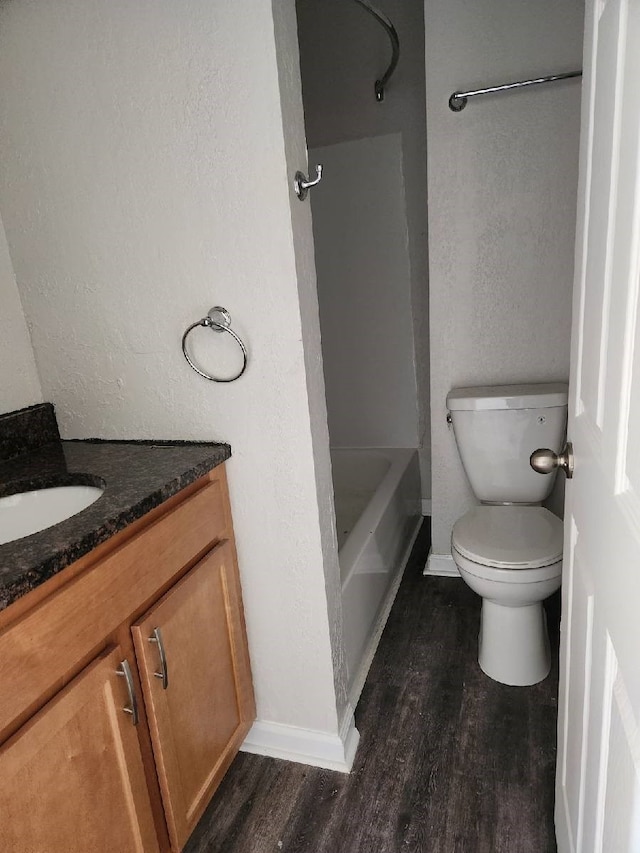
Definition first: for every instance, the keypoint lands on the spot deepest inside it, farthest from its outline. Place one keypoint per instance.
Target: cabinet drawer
(45, 647)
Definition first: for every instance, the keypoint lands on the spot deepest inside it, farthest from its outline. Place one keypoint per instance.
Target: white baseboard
(441, 565)
(306, 746)
(426, 507)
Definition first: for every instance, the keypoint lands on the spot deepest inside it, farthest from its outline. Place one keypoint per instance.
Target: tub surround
(377, 498)
(137, 476)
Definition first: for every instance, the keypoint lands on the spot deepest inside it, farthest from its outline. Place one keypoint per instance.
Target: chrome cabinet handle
(156, 637)
(125, 672)
(544, 461)
(302, 184)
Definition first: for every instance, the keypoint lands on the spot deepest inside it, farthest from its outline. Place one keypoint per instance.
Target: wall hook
(302, 184)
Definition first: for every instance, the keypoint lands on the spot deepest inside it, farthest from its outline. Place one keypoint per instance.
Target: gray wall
(19, 383)
(342, 51)
(502, 180)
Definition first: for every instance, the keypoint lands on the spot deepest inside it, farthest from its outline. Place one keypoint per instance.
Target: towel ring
(218, 320)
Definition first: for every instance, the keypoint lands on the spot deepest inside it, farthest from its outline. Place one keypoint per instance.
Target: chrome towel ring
(218, 320)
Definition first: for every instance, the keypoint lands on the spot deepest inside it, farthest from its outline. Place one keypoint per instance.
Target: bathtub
(378, 514)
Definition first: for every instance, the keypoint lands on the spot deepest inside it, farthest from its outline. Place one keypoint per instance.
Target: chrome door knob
(544, 461)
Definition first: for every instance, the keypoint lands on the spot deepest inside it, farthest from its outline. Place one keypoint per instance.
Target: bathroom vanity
(126, 681)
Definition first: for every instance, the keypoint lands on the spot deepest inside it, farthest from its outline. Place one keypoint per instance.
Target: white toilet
(509, 549)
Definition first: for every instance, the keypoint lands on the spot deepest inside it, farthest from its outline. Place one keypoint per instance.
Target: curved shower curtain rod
(382, 19)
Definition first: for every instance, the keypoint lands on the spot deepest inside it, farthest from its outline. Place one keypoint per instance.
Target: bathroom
(111, 253)
(489, 299)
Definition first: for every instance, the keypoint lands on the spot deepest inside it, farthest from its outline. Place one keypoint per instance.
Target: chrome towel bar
(458, 101)
(391, 31)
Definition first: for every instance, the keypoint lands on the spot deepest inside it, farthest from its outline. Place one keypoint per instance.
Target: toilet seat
(514, 576)
(520, 544)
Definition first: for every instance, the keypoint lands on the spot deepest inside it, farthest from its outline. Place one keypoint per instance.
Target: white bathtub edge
(441, 565)
(400, 459)
(306, 746)
(358, 681)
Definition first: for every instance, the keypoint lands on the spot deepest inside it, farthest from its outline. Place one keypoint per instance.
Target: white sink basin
(28, 512)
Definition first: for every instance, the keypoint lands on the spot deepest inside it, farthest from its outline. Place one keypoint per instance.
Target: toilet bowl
(512, 557)
(509, 548)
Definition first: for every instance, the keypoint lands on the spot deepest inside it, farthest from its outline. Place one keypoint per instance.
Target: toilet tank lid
(487, 397)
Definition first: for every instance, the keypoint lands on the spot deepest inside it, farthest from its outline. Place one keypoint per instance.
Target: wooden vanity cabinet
(78, 771)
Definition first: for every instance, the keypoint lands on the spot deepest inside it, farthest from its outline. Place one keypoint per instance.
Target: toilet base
(513, 644)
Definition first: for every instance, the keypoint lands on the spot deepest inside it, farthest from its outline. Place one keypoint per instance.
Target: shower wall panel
(342, 52)
(364, 290)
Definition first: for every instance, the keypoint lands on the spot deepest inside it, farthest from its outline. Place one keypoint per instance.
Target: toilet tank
(497, 428)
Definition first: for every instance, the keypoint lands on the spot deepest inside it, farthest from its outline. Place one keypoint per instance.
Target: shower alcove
(369, 225)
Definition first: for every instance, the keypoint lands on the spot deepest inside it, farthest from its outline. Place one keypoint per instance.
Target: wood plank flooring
(449, 761)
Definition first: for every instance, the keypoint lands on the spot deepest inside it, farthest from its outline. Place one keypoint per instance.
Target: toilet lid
(509, 537)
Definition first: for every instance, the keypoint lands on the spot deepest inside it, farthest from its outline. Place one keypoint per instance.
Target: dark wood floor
(449, 761)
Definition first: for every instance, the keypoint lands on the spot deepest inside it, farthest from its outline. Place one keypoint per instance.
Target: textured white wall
(143, 178)
(19, 382)
(502, 198)
(343, 50)
(285, 25)
(360, 232)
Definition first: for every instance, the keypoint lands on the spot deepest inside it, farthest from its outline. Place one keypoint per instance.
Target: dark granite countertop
(136, 476)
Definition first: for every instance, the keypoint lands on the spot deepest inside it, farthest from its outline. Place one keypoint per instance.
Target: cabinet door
(200, 712)
(72, 779)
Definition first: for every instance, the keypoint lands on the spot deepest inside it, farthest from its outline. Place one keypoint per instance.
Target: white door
(598, 771)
